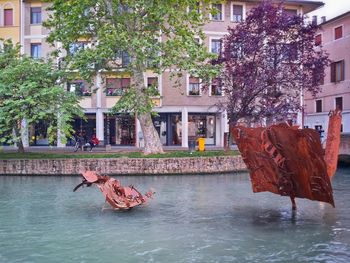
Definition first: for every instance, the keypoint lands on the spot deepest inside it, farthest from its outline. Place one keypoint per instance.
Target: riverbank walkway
(101, 149)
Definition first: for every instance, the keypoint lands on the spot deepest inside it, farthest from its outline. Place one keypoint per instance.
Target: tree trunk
(150, 134)
(18, 140)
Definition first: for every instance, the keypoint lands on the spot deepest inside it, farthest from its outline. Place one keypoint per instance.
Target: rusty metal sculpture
(333, 142)
(285, 160)
(118, 196)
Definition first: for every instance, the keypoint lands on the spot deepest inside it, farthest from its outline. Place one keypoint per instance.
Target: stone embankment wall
(123, 166)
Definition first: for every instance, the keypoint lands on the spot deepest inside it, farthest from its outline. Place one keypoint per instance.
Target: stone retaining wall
(123, 166)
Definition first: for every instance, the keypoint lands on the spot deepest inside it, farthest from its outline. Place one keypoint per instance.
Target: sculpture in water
(289, 161)
(118, 196)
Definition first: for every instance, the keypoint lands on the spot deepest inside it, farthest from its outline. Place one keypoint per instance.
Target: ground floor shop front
(176, 126)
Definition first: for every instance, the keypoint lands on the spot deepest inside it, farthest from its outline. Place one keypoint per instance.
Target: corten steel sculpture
(118, 196)
(333, 142)
(288, 161)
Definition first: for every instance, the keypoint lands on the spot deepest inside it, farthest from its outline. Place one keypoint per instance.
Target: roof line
(335, 18)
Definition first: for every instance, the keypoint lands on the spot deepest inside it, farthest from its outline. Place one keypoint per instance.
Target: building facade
(334, 36)
(184, 112)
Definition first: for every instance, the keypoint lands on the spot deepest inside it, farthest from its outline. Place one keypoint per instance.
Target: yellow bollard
(201, 144)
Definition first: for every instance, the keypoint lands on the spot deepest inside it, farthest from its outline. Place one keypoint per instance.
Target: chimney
(323, 19)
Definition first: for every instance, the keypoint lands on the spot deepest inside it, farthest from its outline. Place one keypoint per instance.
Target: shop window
(194, 86)
(35, 50)
(216, 89)
(237, 13)
(35, 15)
(120, 129)
(117, 86)
(8, 17)
(80, 88)
(337, 71)
(318, 40)
(201, 126)
(338, 32)
(216, 46)
(217, 12)
(318, 105)
(39, 135)
(339, 103)
(176, 129)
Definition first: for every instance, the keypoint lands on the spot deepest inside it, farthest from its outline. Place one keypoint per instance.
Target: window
(318, 40)
(76, 47)
(339, 103)
(216, 46)
(216, 89)
(203, 126)
(218, 12)
(35, 50)
(194, 86)
(117, 86)
(337, 71)
(35, 15)
(152, 82)
(8, 17)
(290, 12)
(318, 105)
(314, 20)
(79, 87)
(124, 57)
(338, 32)
(237, 13)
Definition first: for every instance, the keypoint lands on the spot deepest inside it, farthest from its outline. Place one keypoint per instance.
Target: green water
(191, 219)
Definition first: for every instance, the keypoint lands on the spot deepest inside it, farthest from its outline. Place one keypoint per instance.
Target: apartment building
(184, 112)
(334, 36)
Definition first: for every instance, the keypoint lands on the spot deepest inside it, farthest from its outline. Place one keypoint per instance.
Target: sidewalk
(101, 149)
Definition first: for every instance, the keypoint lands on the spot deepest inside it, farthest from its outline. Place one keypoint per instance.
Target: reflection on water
(202, 218)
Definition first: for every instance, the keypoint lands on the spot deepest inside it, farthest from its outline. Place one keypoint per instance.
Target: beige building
(334, 36)
(185, 112)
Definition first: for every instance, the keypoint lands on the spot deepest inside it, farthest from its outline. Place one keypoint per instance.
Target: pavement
(102, 149)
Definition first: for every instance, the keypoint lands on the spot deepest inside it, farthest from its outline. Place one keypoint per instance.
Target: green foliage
(130, 102)
(30, 90)
(158, 35)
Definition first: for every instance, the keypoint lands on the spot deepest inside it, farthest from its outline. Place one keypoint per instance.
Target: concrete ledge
(123, 166)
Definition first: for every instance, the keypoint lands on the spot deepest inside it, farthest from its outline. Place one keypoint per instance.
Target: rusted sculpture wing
(118, 196)
(333, 142)
(286, 161)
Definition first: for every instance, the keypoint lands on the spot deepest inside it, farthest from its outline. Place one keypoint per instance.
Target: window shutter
(342, 69)
(8, 17)
(333, 72)
(125, 82)
(318, 40)
(338, 32)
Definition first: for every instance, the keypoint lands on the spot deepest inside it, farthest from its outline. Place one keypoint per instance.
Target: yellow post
(201, 144)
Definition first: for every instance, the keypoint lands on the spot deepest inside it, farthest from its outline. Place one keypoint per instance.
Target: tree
(157, 35)
(29, 91)
(269, 61)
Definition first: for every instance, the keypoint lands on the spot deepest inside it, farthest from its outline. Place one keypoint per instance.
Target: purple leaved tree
(269, 61)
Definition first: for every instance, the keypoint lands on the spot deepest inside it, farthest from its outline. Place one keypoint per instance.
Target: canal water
(196, 218)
